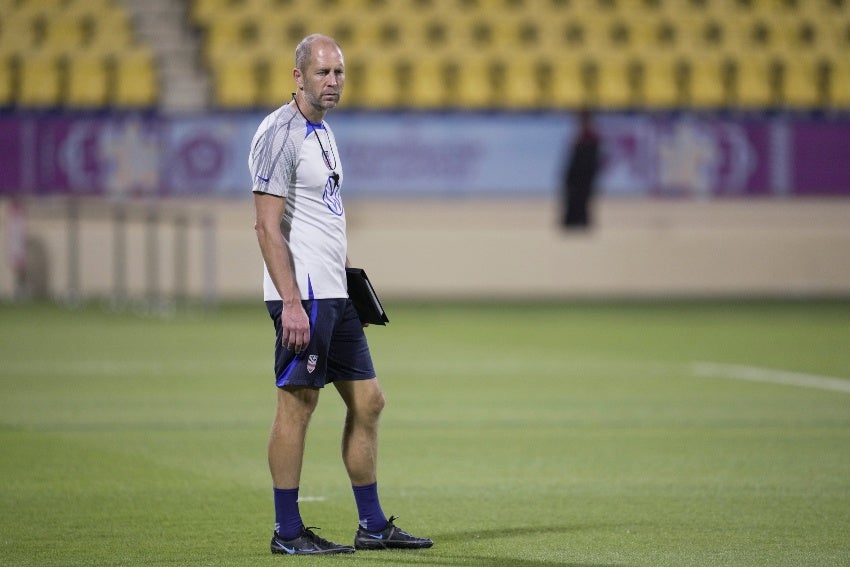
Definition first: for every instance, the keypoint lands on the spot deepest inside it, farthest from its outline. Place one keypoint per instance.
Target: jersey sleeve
(272, 161)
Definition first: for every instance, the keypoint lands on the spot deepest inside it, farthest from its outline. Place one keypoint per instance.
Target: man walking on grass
(300, 226)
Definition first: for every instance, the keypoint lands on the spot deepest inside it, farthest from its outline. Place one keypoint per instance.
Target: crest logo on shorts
(311, 362)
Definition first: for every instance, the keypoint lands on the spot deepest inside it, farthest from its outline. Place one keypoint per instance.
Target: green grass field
(528, 435)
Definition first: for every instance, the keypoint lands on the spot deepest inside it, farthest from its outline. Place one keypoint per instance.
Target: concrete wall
(478, 248)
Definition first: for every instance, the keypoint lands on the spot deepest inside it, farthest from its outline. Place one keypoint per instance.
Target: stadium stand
(433, 54)
(522, 54)
(74, 54)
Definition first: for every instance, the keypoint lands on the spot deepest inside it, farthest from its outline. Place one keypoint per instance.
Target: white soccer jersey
(298, 160)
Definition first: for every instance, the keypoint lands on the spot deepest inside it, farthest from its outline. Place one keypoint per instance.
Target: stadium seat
(39, 80)
(382, 84)
(568, 84)
(6, 81)
(110, 31)
(839, 83)
(661, 80)
(235, 81)
(135, 79)
(424, 84)
(472, 81)
(227, 34)
(479, 37)
(614, 81)
(519, 81)
(201, 12)
(87, 80)
(275, 82)
(804, 81)
(20, 31)
(708, 82)
(62, 34)
(755, 82)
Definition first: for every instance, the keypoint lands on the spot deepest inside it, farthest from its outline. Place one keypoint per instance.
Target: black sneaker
(307, 543)
(391, 537)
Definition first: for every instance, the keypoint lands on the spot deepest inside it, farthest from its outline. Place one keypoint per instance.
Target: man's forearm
(276, 254)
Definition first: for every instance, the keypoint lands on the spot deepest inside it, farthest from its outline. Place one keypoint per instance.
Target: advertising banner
(432, 154)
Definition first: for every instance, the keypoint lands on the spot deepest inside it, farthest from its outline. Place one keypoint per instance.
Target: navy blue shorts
(337, 351)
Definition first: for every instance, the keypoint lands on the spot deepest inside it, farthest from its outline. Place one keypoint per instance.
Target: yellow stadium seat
(613, 81)
(6, 81)
(473, 82)
(19, 32)
(755, 82)
(424, 85)
(376, 31)
(87, 80)
(803, 82)
(47, 8)
(839, 83)
(135, 79)
(110, 31)
(519, 81)
(278, 35)
(203, 11)
(708, 83)
(39, 80)
(649, 33)
(379, 82)
(439, 35)
(568, 82)
(63, 34)
(602, 34)
(661, 80)
(277, 84)
(227, 35)
(235, 83)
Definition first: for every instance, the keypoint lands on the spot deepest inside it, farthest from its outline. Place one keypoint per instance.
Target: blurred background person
(582, 165)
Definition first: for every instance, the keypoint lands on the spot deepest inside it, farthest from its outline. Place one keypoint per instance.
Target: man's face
(324, 77)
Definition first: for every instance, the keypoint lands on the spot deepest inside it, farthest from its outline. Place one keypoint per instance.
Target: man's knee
(297, 403)
(364, 399)
(376, 402)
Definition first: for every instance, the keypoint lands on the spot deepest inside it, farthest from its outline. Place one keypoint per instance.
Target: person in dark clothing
(580, 174)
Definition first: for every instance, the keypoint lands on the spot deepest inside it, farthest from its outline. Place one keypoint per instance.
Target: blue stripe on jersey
(313, 126)
(283, 379)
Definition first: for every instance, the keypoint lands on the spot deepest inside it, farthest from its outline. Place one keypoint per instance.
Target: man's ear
(299, 80)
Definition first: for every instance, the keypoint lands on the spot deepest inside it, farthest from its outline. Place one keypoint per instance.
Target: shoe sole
(325, 552)
(377, 546)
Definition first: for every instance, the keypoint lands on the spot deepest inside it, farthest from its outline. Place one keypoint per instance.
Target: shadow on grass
(425, 557)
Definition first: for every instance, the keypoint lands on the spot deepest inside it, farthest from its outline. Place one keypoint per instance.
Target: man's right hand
(296, 327)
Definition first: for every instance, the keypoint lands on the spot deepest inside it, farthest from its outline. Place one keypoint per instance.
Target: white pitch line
(771, 376)
(311, 499)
